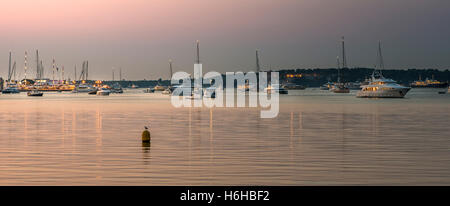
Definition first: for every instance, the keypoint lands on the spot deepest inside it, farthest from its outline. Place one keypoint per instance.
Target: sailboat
(340, 87)
(11, 86)
(381, 87)
(169, 89)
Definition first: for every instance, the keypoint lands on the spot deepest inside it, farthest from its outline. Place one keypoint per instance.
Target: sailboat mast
(9, 67)
(257, 62)
(14, 70)
(170, 68)
(38, 72)
(344, 58)
(198, 52)
(380, 56)
(339, 69)
(25, 65)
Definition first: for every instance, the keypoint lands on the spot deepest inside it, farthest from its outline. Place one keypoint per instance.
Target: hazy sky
(141, 35)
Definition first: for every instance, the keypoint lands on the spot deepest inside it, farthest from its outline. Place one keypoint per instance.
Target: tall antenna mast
(170, 67)
(198, 52)
(344, 58)
(9, 67)
(257, 62)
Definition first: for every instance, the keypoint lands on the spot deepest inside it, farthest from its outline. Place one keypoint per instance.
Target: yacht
(35, 93)
(11, 90)
(103, 92)
(83, 88)
(275, 89)
(381, 87)
(428, 83)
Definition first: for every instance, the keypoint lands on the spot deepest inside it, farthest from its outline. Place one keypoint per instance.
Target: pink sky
(141, 35)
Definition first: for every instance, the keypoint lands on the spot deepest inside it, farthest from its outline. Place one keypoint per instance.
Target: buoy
(146, 135)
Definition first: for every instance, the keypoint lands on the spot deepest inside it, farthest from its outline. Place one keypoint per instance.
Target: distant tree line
(317, 77)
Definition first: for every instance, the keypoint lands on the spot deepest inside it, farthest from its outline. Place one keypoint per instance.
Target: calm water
(319, 138)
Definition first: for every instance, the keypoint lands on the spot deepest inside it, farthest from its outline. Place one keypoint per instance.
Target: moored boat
(275, 88)
(35, 93)
(103, 92)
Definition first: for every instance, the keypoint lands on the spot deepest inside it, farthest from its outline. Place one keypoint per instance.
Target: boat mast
(14, 70)
(38, 72)
(9, 67)
(344, 58)
(339, 69)
(380, 56)
(120, 73)
(198, 52)
(25, 65)
(53, 71)
(170, 68)
(257, 62)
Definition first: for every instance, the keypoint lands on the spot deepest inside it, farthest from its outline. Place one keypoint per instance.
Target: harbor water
(318, 138)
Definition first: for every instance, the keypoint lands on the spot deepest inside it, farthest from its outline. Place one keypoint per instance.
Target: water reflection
(315, 140)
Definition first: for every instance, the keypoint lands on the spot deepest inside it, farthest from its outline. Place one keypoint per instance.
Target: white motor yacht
(380, 87)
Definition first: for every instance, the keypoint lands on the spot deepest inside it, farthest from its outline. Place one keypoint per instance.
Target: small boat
(103, 92)
(168, 91)
(442, 92)
(341, 88)
(326, 86)
(209, 92)
(149, 90)
(276, 89)
(159, 88)
(35, 93)
(291, 86)
(11, 90)
(93, 92)
(83, 88)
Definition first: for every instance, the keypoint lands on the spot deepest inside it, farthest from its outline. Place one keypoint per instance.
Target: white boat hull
(394, 93)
